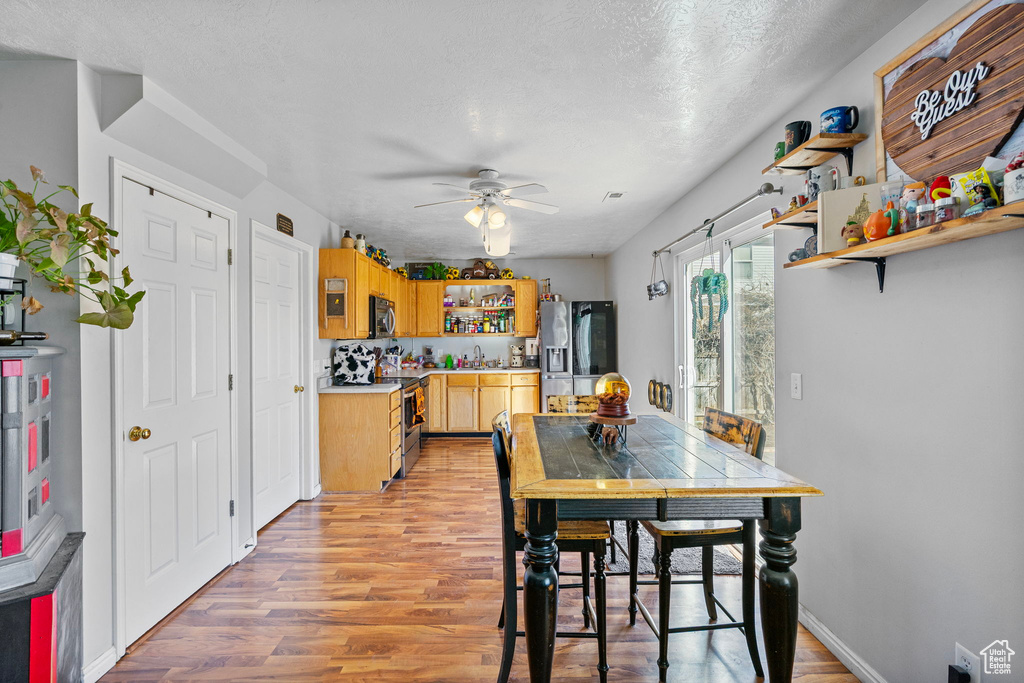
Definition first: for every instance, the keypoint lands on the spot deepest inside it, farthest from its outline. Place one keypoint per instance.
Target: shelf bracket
(846, 152)
(879, 267)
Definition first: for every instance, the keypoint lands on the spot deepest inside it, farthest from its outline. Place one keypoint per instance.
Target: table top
(553, 458)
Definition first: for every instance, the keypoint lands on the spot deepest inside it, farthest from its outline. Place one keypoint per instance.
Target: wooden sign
(284, 224)
(954, 97)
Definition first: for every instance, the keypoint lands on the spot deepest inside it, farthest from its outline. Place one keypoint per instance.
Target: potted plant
(67, 250)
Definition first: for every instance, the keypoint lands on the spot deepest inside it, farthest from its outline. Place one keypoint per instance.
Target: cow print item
(353, 364)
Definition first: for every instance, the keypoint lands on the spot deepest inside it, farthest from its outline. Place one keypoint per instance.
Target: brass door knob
(136, 433)
(302, 388)
(296, 389)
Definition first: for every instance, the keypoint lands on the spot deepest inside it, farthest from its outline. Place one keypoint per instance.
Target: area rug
(684, 560)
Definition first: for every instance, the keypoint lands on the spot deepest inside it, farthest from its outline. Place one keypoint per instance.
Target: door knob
(297, 389)
(136, 433)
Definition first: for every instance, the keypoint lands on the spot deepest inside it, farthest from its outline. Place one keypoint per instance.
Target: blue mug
(839, 120)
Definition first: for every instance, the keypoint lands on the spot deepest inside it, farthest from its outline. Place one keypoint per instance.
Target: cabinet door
(339, 263)
(526, 308)
(437, 405)
(361, 297)
(493, 400)
(401, 307)
(429, 305)
(525, 400)
(411, 315)
(462, 409)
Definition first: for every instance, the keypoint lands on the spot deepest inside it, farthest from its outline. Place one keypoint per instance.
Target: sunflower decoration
(452, 273)
(402, 271)
(507, 274)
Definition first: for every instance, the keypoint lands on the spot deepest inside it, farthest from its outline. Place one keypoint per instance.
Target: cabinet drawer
(468, 379)
(494, 379)
(396, 418)
(396, 438)
(396, 462)
(395, 399)
(525, 379)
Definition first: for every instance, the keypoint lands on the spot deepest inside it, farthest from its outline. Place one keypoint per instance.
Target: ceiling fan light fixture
(498, 241)
(475, 215)
(496, 218)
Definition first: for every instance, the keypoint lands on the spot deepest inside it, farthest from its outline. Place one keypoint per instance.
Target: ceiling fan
(489, 191)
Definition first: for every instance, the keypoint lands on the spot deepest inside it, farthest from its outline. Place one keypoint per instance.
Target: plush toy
(941, 187)
(913, 193)
(854, 233)
(882, 223)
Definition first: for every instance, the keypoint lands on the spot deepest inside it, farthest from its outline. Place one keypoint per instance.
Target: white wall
(909, 402)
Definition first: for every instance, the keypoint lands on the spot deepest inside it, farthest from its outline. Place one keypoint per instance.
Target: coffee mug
(797, 133)
(839, 120)
(780, 150)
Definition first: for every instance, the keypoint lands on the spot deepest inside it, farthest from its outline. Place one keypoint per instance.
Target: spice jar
(924, 216)
(947, 209)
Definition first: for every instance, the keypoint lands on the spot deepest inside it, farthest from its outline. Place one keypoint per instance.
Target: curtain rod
(762, 191)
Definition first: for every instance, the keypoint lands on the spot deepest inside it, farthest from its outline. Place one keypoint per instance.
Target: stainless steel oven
(413, 417)
(382, 318)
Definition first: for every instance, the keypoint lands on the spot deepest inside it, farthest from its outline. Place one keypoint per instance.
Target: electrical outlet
(970, 662)
(796, 386)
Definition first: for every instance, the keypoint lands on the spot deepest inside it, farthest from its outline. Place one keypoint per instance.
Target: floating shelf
(804, 217)
(479, 308)
(991, 222)
(479, 334)
(817, 151)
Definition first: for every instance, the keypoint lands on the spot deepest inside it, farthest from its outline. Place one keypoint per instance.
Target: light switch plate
(796, 386)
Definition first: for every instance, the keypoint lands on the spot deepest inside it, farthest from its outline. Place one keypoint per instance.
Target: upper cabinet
(429, 308)
(526, 308)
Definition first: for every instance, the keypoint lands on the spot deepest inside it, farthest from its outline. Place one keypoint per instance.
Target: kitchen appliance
(555, 350)
(414, 416)
(382, 318)
(517, 358)
(594, 349)
(532, 352)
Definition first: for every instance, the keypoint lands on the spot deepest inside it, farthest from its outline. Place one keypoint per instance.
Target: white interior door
(277, 406)
(175, 365)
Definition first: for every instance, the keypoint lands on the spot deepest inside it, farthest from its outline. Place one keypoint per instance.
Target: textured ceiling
(357, 107)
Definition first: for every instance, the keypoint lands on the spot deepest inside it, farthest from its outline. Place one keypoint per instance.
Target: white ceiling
(357, 107)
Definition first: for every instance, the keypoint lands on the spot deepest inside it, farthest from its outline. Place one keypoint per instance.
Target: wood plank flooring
(406, 586)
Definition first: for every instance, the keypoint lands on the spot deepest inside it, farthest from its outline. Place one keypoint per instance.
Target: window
(731, 364)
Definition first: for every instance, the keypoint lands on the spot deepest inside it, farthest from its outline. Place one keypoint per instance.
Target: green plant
(54, 243)
(435, 271)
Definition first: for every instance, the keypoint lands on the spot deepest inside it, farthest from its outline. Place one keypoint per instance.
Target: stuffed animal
(941, 187)
(881, 223)
(854, 233)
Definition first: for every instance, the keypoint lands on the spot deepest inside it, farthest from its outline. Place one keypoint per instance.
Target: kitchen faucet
(477, 356)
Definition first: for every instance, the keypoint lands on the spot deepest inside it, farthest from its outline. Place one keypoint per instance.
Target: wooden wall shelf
(991, 222)
(804, 217)
(817, 151)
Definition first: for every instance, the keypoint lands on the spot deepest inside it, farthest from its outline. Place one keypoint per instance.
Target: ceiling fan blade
(450, 201)
(529, 188)
(457, 187)
(531, 205)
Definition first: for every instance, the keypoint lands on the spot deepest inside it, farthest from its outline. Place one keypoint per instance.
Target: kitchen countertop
(418, 373)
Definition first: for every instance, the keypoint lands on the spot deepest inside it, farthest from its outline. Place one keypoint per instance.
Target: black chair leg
(611, 540)
(585, 576)
(749, 629)
(602, 612)
(634, 555)
(664, 610)
(707, 570)
(501, 618)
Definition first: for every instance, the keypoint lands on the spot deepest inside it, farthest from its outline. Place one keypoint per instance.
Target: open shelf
(991, 222)
(804, 217)
(479, 334)
(479, 308)
(817, 151)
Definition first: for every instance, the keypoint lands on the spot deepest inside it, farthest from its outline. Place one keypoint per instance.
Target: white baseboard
(317, 490)
(850, 659)
(99, 666)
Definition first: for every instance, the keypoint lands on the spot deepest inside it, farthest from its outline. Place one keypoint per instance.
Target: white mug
(1013, 186)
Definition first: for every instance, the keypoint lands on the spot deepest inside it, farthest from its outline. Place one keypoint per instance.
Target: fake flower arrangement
(65, 250)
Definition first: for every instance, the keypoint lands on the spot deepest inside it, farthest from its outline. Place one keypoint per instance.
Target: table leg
(779, 586)
(540, 587)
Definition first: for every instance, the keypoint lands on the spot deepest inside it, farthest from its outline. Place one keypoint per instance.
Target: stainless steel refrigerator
(577, 346)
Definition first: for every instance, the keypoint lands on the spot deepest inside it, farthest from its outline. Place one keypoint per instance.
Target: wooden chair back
(572, 404)
(736, 430)
(500, 443)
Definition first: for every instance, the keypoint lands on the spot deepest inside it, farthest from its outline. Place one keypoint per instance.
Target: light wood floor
(405, 586)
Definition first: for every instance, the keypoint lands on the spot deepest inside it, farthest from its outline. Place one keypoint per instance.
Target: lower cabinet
(524, 400)
(437, 404)
(463, 408)
(468, 401)
(493, 400)
(360, 440)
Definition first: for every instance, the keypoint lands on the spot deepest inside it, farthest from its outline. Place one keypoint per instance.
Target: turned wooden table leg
(634, 554)
(779, 586)
(540, 587)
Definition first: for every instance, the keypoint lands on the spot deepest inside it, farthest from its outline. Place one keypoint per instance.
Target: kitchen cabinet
(401, 292)
(463, 408)
(493, 400)
(526, 308)
(525, 393)
(430, 308)
(347, 265)
(410, 311)
(437, 404)
(360, 440)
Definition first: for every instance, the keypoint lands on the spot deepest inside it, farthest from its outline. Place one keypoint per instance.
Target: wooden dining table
(667, 470)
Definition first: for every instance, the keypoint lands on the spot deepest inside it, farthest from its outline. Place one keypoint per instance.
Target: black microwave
(382, 318)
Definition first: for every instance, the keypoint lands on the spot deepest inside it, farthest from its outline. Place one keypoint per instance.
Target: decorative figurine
(854, 233)
(776, 214)
(793, 206)
(882, 223)
(913, 193)
(940, 188)
(402, 271)
(980, 191)
(360, 243)
(480, 270)
(1013, 181)
(507, 274)
(780, 150)
(798, 255)
(347, 242)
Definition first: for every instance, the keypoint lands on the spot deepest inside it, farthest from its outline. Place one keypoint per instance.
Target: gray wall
(908, 402)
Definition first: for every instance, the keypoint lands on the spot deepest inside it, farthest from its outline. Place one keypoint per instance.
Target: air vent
(612, 195)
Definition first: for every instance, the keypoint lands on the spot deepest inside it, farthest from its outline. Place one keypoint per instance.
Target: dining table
(667, 470)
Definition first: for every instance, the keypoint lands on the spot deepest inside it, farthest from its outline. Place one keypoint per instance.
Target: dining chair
(668, 536)
(585, 537)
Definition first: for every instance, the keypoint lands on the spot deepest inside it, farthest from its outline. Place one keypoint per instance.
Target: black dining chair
(585, 537)
(668, 536)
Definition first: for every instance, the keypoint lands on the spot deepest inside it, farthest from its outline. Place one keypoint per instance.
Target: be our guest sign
(947, 102)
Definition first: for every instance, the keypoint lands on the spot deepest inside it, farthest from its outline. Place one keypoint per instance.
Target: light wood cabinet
(524, 399)
(354, 269)
(437, 404)
(526, 308)
(493, 400)
(430, 308)
(401, 292)
(358, 441)
(411, 312)
(463, 408)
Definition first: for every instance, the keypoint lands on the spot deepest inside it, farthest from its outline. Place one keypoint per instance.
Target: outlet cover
(969, 662)
(796, 386)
